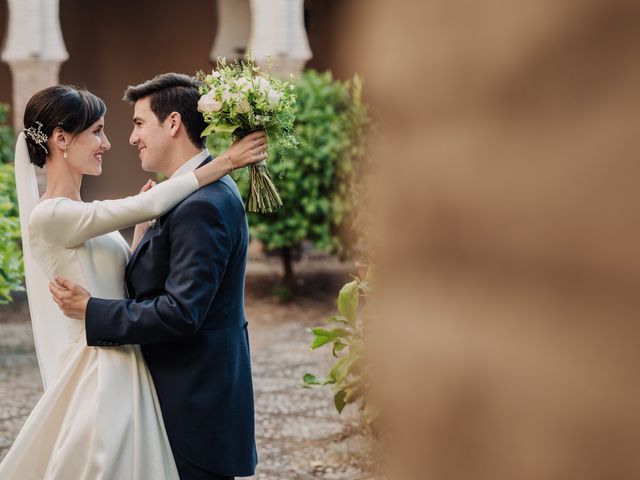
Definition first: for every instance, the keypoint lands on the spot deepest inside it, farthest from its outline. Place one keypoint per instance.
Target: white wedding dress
(99, 417)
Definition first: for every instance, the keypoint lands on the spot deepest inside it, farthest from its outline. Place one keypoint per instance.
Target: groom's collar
(191, 164)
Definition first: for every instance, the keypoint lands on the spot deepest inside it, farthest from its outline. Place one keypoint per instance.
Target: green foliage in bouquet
(345, 334)
(11, 269)
(238, 99)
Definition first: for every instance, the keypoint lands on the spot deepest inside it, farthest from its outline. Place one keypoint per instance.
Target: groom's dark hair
(172, 92)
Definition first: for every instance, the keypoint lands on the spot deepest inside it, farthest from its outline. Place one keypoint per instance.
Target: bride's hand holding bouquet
(238, 99)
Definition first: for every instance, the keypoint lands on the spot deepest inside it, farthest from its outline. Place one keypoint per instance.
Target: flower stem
(263, 195)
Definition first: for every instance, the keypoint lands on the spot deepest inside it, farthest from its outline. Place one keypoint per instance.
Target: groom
(185, 283)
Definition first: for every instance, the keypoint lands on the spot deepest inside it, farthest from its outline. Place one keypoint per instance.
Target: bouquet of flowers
(237, 99)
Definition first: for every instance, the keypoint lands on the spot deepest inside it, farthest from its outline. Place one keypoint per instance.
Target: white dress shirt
(191, 164)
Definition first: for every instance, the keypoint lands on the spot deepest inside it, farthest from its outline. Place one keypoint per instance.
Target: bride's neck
(62, 181)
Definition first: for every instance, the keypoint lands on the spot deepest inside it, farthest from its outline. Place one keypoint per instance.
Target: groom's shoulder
(221, 196)
(223, 190)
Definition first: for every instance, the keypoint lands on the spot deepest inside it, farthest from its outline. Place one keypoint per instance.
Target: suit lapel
(146, 238)
(152, 232)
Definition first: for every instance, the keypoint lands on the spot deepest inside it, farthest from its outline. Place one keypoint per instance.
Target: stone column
(34, 50)
(278, 32)
(234, 27)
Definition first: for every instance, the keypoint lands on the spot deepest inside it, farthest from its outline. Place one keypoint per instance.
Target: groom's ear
(175, 121)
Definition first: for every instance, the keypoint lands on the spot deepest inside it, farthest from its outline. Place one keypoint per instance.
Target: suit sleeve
(69, 224)
(199, 253)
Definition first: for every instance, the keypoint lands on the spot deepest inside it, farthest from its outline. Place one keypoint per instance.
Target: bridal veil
(50, 331)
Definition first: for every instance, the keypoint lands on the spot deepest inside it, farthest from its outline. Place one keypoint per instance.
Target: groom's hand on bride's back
(70, 297)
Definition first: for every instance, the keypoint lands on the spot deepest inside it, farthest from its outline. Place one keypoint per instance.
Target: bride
(99, 417)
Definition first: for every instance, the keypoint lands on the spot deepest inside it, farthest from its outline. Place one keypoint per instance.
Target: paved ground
(300, 435)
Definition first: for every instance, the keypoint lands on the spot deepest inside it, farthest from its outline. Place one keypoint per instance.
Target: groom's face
(149, 136)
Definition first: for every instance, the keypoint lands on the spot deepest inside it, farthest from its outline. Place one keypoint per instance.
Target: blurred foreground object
(507, 340)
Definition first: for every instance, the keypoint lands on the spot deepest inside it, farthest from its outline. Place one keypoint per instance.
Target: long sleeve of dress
(69, 223)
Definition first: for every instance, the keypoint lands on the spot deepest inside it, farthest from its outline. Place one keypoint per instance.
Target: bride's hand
(70, 297)
(249, 150)
(141, 228)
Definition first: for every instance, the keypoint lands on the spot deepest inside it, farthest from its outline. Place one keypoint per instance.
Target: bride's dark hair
(70, 108)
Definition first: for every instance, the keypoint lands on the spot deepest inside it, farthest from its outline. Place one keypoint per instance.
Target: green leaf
(348, 301)
(334, 333)
(219, 128)
(207, 131)
(338, 400)
(341, 368)
(309, 379)
(319, 341)
(338, 319)
(338, 346)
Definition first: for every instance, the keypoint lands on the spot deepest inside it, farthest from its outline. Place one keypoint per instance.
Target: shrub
(315, 180)
(346, 334)
(11, 270)
(7, 139)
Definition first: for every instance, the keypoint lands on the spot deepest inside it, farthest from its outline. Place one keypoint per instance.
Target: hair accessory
(37, 135)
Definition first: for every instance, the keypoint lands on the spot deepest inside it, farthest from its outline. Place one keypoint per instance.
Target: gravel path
(300, 435)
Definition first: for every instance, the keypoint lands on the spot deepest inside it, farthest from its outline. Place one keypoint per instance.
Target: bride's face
(85, 150)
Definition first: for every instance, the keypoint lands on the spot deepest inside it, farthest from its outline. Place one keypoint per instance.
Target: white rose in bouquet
(213, 76)
(227, 96)
(263, 84)
(208, 103)
(274, 97)
(244, 84)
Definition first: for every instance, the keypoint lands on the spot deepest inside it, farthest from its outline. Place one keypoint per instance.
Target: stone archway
(278, 30)
(5, 73)
(33, 49)
(269, 28)
(234, 28)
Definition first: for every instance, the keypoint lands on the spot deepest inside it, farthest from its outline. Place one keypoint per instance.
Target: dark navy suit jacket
(185, 284)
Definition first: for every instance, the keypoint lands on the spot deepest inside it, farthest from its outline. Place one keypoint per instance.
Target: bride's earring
(65, 152)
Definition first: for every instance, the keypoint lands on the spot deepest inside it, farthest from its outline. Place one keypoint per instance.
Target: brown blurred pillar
(508, 340)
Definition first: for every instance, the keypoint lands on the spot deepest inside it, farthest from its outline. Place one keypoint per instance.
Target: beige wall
(114, 44)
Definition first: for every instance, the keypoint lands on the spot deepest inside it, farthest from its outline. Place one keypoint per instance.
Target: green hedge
(11, 270)
(7, 138)
(315, 179)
